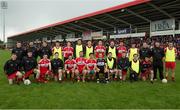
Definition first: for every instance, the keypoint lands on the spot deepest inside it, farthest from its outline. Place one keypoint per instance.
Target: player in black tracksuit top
(33, 49)
(19, 51)
(144, 52)
(57, 66)
(29, 64)
(45, 50)
(11, 68)
(158, 54)
(123, 65)
(101, 68)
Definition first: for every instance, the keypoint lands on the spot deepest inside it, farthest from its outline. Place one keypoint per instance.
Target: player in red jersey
(70, 65)
(91, 66)
(68, 51)
(121, 49)
(44, 67)
(100, 49)
(80, 67)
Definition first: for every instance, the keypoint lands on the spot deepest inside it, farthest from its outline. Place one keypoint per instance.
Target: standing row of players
(113, 62)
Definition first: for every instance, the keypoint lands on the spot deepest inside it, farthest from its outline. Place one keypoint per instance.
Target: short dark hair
(57, 53)
(91, 54)
(18, 42)
(109, 52)
(57, 41)
(14, 54)
(44, 41)
(135, 54)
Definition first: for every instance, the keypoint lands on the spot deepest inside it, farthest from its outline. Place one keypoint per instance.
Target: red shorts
(80, 70)
(12, 76)
(124, 72)
(28, 73)
(170, 65)
(146, 73)
(47, 72)
(70, 70)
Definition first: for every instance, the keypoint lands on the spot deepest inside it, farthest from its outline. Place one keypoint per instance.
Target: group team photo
(87, 62)
(89, 54)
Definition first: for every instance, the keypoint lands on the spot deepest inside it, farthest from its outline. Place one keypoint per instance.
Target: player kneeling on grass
(80, 67)
(146, 70)
(70, 65)
(101, 68)
(44, 67)
(122, 65)
(111, 65)
(91, 66)
(11, 68)
(29, 65)
(134, 68)
(57, 67)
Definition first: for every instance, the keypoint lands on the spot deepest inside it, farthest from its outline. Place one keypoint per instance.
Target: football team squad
(86, 63)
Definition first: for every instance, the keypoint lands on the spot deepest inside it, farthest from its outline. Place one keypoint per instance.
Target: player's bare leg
(37, 72)
(72, 75)
(173, 74)
(106, 75)
(77, 75)
(60, 72)
(144, 78)
(19, 77)
(97, 74)
(167, 73)
(84, 72)
(10, 81)
(119, 73)
(151, 76)
(116, 74)
(123, 75)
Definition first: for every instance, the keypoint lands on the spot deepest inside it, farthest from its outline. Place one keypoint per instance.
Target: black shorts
(55, 71)
(101, 70)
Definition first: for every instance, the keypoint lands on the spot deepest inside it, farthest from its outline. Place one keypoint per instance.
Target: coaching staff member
(158, 54)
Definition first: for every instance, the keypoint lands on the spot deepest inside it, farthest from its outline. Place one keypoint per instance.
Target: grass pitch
(89, 95)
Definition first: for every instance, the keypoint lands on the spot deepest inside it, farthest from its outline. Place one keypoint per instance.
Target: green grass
(89, 95)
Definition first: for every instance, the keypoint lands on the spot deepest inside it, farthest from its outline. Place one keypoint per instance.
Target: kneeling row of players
(78, 69)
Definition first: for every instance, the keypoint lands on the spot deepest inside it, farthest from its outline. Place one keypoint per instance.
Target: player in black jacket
(29, 64)
(19, 51)
(122, 65)
(33, 49)
(145, 51)
(45, 50)
(57, 67)
(102, 68)
(11, 68)
(157, 55)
